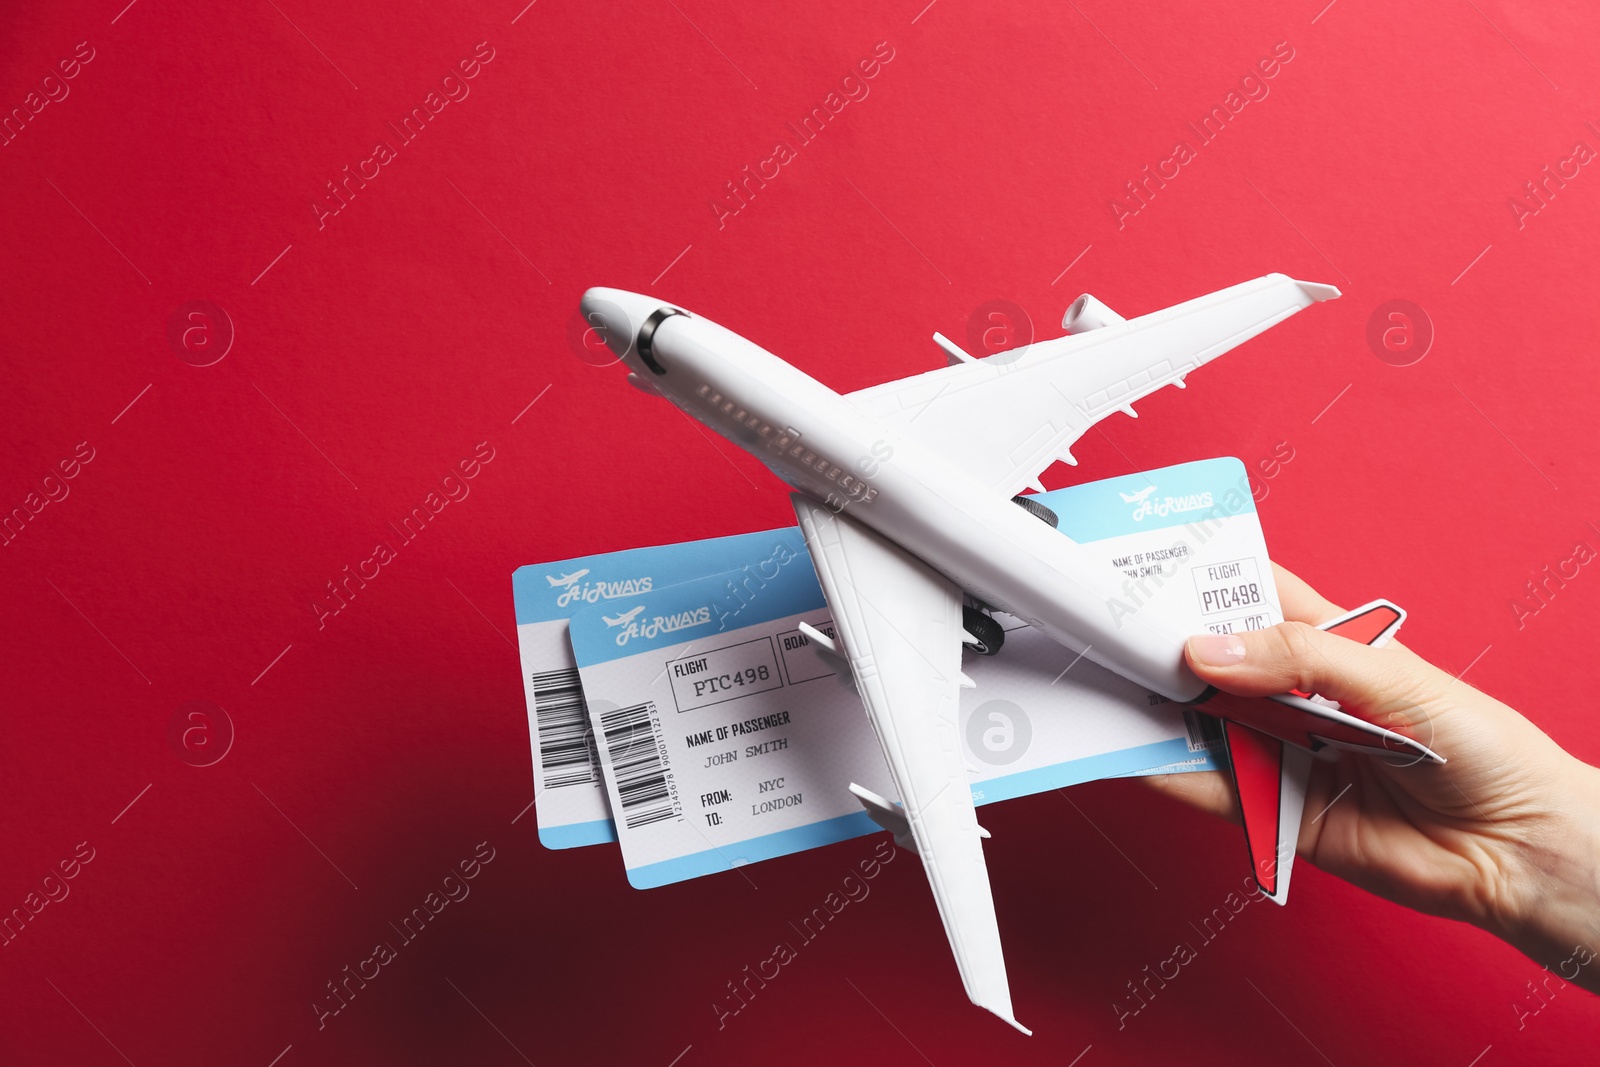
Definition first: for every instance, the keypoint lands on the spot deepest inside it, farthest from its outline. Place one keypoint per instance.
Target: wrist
(1554, 916)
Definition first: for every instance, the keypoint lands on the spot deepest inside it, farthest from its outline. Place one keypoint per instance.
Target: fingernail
(1217, 650)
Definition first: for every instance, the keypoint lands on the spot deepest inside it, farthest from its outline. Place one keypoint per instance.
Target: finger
(1209, 791)
(1300, 602)
(1297, 656)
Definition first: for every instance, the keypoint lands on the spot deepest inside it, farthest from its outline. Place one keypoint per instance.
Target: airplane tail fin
(1269, 778)
(1270, 775)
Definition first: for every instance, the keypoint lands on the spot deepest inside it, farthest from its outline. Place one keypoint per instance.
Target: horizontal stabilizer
(1371, 624)
(1311, 722)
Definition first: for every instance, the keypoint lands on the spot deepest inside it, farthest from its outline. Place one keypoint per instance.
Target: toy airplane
(905, 495)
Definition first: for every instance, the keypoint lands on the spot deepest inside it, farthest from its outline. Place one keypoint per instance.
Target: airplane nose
(617, 315)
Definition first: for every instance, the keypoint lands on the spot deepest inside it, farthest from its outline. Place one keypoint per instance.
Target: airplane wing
(1272, 760)
(900, 626)
(1007, 417)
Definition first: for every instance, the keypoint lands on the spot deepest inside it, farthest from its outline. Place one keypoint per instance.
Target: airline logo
(658, 624)
(574, 590)
(1146, 503)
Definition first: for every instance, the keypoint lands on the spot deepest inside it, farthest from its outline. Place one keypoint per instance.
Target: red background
(372, 354)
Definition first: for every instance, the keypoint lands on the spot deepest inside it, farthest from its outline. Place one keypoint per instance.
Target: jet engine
(1087, 313)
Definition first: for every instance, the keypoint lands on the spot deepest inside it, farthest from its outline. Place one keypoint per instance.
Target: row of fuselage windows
(787, 440)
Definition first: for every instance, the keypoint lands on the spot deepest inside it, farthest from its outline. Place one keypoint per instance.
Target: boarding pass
(569, 795)
(570, 800)
(725, 737)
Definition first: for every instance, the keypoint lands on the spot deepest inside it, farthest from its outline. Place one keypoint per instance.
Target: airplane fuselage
(828, 448)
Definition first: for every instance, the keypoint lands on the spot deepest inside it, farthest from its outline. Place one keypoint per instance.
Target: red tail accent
(1257, 781)
(1369, 625)
(1253, 730)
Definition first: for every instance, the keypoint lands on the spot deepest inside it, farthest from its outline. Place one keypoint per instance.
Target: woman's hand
(1506, 835)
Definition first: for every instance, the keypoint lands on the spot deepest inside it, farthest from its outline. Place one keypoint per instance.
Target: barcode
(566, 738)
(639, 764)
(1205, 731)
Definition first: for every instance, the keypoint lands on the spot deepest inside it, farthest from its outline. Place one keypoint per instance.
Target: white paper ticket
(725, 738)
(569, 796)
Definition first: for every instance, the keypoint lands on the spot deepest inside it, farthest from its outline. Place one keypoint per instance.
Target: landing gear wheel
(988, 632)
(1037, 510)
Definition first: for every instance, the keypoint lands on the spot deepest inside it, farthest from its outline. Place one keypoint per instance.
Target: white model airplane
(904, 493)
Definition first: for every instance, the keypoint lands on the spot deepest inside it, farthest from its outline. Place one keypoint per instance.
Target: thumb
(1381, 682)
